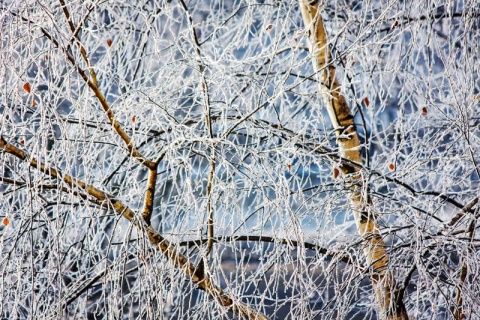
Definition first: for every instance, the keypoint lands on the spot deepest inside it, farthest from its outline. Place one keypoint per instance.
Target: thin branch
(294, 243)
(208, 125)
(201, 68)
(466, 209)
(459, 313)
(90, 282)
(42, 187)
(75, 31)
(210, 225)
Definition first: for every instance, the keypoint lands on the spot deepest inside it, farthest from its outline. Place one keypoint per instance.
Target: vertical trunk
(388, 297)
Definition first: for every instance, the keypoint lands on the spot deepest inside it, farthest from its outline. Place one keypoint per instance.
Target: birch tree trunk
(388, 296)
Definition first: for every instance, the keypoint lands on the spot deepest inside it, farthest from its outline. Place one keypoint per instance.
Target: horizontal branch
(306, 245)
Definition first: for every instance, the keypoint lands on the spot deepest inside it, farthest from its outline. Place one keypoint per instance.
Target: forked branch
(92, 83)
(168, 249)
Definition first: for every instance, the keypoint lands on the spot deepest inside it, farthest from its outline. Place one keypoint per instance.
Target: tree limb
(168, 249)
(349, 147)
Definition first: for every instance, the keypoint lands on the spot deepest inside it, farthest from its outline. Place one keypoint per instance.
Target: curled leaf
(391, 166)
(34, 103)
(336, 173)
(289, 167)
(366, 102)
(134, 118)
(5, 221)
(109, 42)
(424, 111)
(269, 27)
(26, 87)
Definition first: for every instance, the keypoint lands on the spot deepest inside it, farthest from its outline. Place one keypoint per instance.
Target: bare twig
(208, 126)
(459, 309)
(221, 239)
(210, 225)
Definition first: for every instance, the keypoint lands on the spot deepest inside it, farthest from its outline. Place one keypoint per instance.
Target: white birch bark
(390, 305)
